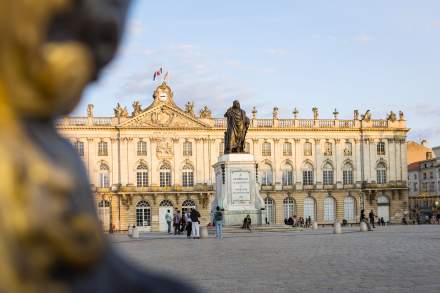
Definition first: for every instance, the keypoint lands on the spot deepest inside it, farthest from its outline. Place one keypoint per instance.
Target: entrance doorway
(383, 208)
(164, 206)
(104, 214)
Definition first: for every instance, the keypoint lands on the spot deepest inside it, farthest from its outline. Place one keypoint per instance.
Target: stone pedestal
(315, 225)
(363, 227)
(337, 228)
(203, 232)
(237, 189)
(135, 232)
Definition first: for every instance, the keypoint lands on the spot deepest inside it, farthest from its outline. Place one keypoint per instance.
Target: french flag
(157, 73)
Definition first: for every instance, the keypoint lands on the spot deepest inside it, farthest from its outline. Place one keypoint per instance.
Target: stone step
(272, 228)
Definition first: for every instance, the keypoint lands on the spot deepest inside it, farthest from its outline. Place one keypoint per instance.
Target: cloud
(363, 39)
(436, 23)
(195, 74)
(135, 28)
(432, 135)
(276, 52)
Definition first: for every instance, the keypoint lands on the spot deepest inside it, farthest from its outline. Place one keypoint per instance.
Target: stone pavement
(389, 259)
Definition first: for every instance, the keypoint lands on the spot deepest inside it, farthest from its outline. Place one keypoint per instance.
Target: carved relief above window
(348, 149)
(164, 148)
(308, 149)
(328, 151)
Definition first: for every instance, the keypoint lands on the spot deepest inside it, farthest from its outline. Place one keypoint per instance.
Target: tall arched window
(289, 207)
(102, 148)
(141, 148)
(187, 148)
(143, 214)
(270, 210)
(327, 174)
(329, 208)
(287, 149)
(309, 208)
(349, 208)
(266, 175)
(166, 203)
(165, 175)
(142, 176)
(104, 176)
(347, 174)
(287, 175)
(381, 173)
(266, 149)
(187, 175)
(308, 149)
(187, 205)
(308, 174)
(79, 147)
(380, 148)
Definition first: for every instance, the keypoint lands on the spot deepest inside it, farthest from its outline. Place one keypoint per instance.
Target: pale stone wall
(165, 144)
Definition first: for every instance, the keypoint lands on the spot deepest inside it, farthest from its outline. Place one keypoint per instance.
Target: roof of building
(414, 166)
(417, 152)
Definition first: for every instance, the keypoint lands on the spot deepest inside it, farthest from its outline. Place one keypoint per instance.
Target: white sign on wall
(240, 186)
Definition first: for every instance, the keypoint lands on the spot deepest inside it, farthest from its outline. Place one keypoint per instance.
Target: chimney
(428, 155)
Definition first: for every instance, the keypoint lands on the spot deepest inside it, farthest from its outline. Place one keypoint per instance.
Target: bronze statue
(51, 239)
(237, 128)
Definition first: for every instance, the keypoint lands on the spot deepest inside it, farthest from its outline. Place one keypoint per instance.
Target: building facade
(424, 189)
(161, 157)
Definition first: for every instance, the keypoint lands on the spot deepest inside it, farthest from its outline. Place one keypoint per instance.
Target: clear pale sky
(378, 55)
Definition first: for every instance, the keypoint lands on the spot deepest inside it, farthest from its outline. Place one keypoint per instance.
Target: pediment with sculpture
(163, 116)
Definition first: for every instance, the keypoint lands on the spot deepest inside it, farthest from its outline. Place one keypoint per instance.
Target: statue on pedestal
(237, 128)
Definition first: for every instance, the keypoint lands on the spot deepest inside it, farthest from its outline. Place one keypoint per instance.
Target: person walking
(195, 215)
(371, 216)
(218, 220)
(168, 219)
(176, 222)
(188, 226)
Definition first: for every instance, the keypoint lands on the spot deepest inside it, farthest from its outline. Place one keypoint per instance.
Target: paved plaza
(390, 259)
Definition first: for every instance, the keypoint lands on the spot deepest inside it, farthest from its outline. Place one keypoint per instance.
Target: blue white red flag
(157, 73)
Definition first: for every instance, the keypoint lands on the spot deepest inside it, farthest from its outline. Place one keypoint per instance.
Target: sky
(380, 55)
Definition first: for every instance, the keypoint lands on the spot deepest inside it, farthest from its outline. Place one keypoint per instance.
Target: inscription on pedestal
(240, 187)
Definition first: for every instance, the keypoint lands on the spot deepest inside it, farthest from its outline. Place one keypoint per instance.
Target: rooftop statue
(237, 128)
(51, 239)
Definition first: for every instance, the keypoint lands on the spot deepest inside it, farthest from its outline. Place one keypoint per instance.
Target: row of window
(310, 208)
(266, 177)
(143, 210)
(142, 176)
(266, 148)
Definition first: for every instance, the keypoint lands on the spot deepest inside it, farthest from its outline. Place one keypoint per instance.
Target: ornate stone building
(161, 157)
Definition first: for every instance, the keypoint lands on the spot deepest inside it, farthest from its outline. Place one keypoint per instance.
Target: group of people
(295, 221)
(372, 219)
(188, 221)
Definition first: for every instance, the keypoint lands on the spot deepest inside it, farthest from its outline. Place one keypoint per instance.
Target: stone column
(299, 154)
(131, 161)
(91, 161)
(338, 159)
(155, 213)
(357, 160)
(318, 162)
(391, 155)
